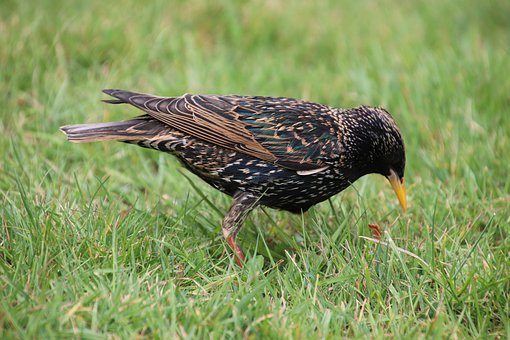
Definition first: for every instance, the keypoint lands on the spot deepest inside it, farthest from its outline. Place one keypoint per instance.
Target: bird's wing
(295, 134)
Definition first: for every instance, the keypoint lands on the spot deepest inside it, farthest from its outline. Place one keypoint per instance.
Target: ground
(113, 241)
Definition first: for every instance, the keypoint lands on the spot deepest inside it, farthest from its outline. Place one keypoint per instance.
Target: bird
(282, 153)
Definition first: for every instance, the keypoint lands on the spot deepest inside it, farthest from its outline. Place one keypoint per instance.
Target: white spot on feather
(311, 172)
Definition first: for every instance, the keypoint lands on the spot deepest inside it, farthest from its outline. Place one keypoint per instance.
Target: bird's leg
(233, 221)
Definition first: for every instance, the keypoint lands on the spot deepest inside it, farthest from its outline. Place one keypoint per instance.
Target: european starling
(279, 152)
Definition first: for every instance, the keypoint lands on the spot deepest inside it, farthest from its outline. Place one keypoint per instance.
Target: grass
(113, 241)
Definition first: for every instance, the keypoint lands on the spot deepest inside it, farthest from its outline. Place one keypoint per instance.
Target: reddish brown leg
(233, 221)
(238, 252)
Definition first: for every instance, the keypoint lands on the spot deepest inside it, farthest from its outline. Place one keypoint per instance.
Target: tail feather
(134, 130)
(137, 129)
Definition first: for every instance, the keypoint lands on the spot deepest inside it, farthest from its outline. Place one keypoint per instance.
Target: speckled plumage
(279, 152)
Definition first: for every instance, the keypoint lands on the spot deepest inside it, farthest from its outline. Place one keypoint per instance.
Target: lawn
(107, 240)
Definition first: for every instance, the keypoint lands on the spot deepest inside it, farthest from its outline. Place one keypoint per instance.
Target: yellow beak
(398, 186)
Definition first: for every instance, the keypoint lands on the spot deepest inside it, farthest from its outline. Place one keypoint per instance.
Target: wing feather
(277, 130)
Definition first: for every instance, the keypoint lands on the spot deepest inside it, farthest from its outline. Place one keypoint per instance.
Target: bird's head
(374, 144)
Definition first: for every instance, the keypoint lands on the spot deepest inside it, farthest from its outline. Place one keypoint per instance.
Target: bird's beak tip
(398, 186)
